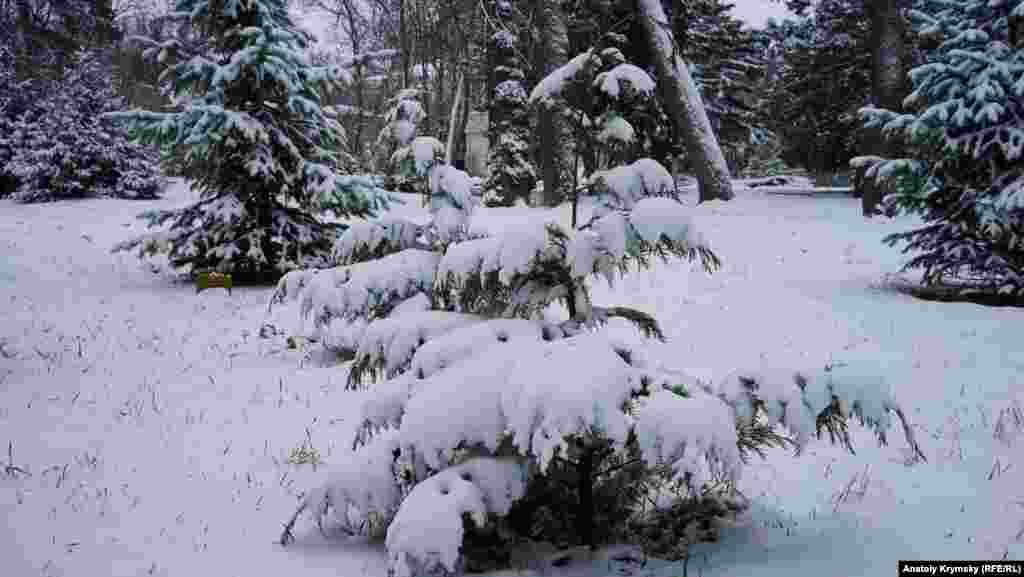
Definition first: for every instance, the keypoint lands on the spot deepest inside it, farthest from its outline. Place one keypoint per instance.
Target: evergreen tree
(252, 134)
(61, 147)
(494, 411)
(824, 79)
(511, 173)
(684, 125)
(728, 65)
(968, 185)
(12, 104)
(44, 35)
(400, 149)
(609, 106)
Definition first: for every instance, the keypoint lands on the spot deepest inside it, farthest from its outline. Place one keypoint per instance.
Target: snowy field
(146, 430)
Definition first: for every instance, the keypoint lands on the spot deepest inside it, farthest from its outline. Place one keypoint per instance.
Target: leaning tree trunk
(684, 104)
(888, 86)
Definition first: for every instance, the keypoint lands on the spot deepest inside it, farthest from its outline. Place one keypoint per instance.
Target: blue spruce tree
(251, 132)
(968, 127)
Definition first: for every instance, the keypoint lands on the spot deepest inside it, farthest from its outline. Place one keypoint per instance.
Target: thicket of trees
(478, 434)
(496, 419)
(56, 81)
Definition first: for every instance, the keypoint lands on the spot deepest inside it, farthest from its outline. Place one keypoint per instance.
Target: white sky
(756, 12)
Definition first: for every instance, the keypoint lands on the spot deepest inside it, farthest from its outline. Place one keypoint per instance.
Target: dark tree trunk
(888, 87)
(547, 133)
(551, 53)
(403, 35)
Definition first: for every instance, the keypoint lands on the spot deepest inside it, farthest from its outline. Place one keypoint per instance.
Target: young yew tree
(251, 133)
(503, 407)
(402, 147)
(969, 183)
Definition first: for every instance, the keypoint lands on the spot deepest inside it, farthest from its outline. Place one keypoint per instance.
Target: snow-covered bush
(60, 146)
(252, 134)
(496, 416)
(968, 185)
(484, 408)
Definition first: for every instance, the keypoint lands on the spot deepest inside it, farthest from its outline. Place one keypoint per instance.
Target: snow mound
(341, 334)
(466, 342)
(695, 435)
(427, 530)
(364, 481)
(654, 218)
(523, 390)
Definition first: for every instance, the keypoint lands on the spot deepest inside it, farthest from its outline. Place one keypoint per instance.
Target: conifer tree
(399, 145)
(251, 132)
(500, 400)
(728, 65)
(825, 78)
(12, 104)
(511, 173)
(968, 184)
(61, 146)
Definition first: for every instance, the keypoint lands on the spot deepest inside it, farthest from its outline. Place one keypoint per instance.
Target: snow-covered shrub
(62, 147)
(969, 184)
(482, 409)
(491, 419)
(252, 134)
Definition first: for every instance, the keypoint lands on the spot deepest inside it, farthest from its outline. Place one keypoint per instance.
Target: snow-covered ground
(146, 430)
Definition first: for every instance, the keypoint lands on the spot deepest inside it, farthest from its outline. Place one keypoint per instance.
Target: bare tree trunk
(547, 136)
(458, 103)
(684, 104)
(403, 37)
(552, 52)
(888, 86)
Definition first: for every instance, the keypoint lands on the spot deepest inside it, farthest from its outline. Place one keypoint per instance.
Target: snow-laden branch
(362, 290)
(367, 240)
(808, 402)
(387, 345)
